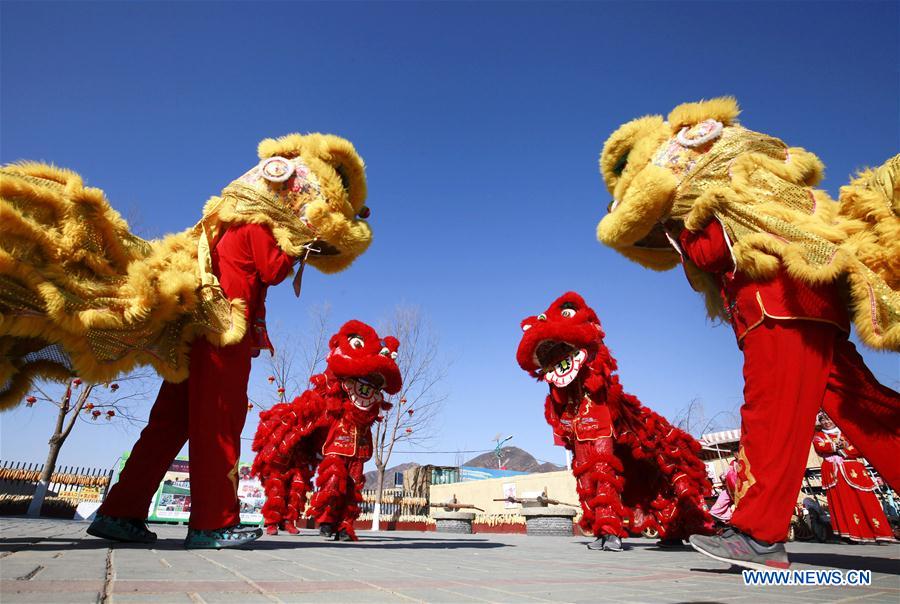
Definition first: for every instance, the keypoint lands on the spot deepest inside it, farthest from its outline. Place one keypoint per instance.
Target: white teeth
(565, 372)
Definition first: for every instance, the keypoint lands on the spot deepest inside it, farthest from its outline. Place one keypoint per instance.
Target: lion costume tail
(665, 479)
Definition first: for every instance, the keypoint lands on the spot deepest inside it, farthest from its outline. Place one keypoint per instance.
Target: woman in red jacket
(855, 512)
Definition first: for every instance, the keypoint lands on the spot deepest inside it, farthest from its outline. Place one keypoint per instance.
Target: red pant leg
(867, 412)
(786, 369)
(599, 483)
(159, 443)
(328, 504)
(218, 410)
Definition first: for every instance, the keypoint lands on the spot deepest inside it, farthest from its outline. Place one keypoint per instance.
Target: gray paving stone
(53, 561)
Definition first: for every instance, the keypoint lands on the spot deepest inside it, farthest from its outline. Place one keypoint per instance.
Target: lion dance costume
(631, 466)
(81, 295)
(329, 428)
(855, 511)
(789, 268)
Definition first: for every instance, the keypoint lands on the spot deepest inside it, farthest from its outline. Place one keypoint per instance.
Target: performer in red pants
(797, 359)
(208, 410)
(855, 512)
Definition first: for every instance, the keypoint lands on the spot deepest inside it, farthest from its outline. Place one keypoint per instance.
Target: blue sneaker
(128, 530)
(230, 536)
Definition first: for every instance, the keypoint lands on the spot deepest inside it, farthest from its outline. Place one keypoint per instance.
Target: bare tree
(299, 356)
(693, 420)
(417, 405)
(87, 402)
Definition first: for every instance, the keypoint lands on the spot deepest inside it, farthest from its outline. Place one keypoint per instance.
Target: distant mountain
(513, 458)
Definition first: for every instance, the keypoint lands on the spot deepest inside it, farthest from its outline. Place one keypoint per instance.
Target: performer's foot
(612, 543)
(291, 528)
(735, 547)
(596, 545)
(231, 536)
(271, 529)
(326, 530)
(129, 530)
(343, 535)
(671, 544)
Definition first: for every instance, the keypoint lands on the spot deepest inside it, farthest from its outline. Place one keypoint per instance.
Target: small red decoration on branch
(76, 382)
(110, 414)
(30, 401)
(95, 413)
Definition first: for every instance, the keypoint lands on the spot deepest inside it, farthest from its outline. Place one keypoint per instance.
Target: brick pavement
(54, 561)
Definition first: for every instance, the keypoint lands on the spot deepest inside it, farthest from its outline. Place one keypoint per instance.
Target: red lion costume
(630, 464)
(328, 426)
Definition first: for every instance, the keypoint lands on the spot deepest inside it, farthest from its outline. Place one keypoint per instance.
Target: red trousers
(208, 410)
(791, 370)
(340, 482)
(599, 483)
(857, 514)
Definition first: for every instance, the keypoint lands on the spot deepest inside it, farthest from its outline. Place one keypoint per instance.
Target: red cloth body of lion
(631, 465)
(327, 428)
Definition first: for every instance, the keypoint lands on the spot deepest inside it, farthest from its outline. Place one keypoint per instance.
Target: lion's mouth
(656, 239)
(365, 391)
(322, 248)
(549, 352)
(564, 371)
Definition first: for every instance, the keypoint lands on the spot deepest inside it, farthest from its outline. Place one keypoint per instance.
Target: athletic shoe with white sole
(734, 547)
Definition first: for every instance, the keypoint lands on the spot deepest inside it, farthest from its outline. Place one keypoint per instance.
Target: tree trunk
(379, 490)
(43, 485)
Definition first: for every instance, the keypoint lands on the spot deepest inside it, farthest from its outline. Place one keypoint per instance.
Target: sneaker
(612, 543)
(231, 536)
(326, 530)
(272, 529)
(128, 530)
(735, 547)
(596, 545)
(291, 528)
(671, 544)
(343, 535)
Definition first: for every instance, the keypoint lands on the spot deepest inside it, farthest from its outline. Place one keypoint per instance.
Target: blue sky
(480, 124)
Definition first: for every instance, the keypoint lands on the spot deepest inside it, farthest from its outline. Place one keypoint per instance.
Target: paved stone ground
(54, 561)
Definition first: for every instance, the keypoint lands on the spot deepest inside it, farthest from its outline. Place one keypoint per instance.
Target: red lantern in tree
(89, 406)
(281, 391)
(402, 401)
(410, 411)
(409, 430)
(113, 387)
(95, 413)
(249, 406)
(110, 414)
(76, 382)
(30, 401)
(271, 379)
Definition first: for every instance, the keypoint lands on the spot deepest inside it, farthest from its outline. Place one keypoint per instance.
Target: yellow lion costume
(666, 175)
(81, 295)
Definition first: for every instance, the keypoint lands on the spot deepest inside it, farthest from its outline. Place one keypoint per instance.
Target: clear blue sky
(480, 124)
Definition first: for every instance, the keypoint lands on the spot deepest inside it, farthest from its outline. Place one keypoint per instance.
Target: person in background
(856, 514)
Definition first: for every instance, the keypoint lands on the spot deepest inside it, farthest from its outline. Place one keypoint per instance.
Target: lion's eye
(568, 313)
(356, 342)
